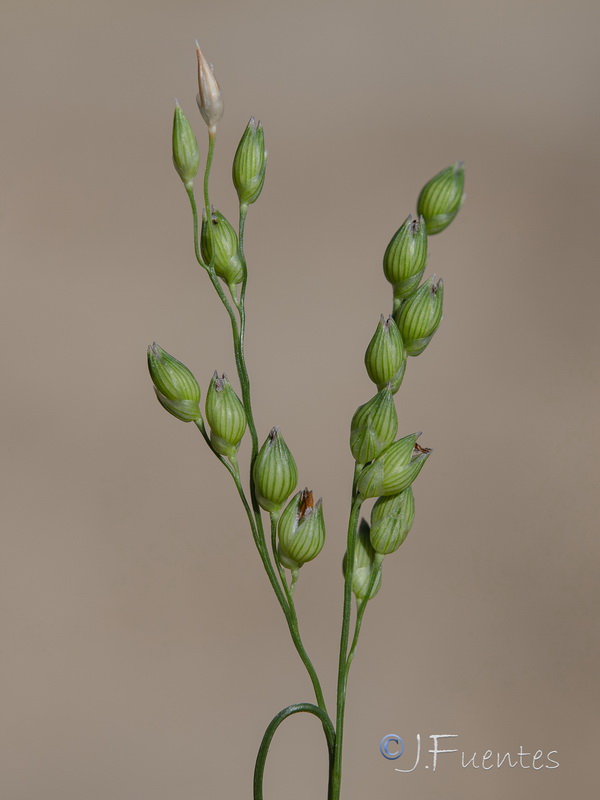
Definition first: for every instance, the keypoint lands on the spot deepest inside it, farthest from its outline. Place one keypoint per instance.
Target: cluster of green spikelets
(385, 467)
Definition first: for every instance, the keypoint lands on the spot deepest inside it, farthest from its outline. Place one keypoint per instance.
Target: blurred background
(142, 651)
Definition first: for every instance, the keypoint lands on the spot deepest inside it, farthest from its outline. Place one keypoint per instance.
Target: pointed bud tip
(209, 99)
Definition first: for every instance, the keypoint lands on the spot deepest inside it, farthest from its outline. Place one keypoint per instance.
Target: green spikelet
(275, 472)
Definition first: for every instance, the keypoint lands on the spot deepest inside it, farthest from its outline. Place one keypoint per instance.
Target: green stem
(398, 301)
(292, 607)
(254, 516)
(274, 516)
(286, 602)
(244, 378)
(230, 466)
(259, 769)
(235, 474)
(242, 227)
(342, 669)
(238, 333)
(209, 160)
(238, 342)
(361, 608)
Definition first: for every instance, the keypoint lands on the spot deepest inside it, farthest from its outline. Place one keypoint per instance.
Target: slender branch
(274, 517)
(243, 374)
(342, 670)
(231, 468)
(234, 472)
(254, 515)
(242, 227)
(261, 758)
(290, 599)
(209, 160)
(257, 527)
(360, 612)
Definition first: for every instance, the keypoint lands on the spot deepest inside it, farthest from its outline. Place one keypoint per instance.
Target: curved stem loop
(309, 708)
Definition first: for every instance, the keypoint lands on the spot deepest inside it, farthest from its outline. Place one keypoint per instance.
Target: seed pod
(209, 99)
(250, 163)
(385, 358)
(176, 388)
(366, 561)
(406, 256)
(301, 530)
(186, 157)
(226, 416)
(441, 198)
(219, 246)
(394, 470)
(275, 472)
(373, 427)
(419, 317)
(391, 520)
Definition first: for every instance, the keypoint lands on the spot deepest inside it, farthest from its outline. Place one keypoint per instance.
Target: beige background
(142, 653)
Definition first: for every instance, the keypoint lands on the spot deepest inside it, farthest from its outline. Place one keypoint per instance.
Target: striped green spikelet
(441, 198)
(301, 530)
(275, 472)
(226, 416)
(366, 563)
(391, 520)
(176, 388)
(394, 470)
(385, 358)
(250, 163)
(406, 256)
(419, 317)
(220, 248)
(186, 157)
(374, 427)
